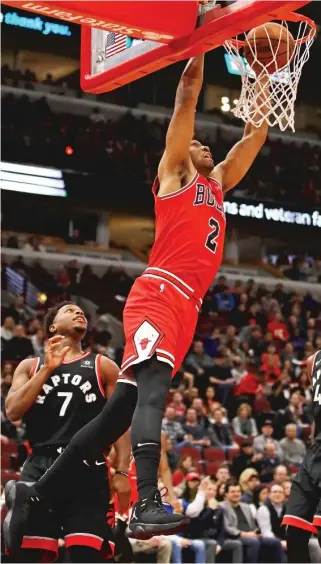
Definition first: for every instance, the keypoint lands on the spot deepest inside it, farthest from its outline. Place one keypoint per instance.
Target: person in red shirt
(278, 328)
(271, 364)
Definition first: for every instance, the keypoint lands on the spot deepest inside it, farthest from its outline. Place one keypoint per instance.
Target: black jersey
(316, 394)
(71, 397)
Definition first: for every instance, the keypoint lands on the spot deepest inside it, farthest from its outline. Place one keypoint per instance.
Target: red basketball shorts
(159, 318)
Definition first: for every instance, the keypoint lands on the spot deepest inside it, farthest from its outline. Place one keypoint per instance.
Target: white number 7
(68, 396)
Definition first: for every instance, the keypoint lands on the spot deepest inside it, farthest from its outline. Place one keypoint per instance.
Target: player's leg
(300, 510)
(148, 516)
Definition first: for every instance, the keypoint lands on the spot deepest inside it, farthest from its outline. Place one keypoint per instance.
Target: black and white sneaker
(23, 505)
(149, 518)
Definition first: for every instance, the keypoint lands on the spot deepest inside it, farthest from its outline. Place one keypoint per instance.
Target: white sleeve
(264, 521)
(194, 509)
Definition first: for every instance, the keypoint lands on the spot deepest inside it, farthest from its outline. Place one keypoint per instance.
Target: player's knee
(153, 382)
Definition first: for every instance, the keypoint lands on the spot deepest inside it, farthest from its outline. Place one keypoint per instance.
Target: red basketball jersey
(190, 229)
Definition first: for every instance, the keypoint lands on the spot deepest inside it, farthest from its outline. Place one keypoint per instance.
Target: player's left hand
(121, 487)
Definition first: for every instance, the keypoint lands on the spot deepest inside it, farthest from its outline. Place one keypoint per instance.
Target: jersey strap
(35, 366)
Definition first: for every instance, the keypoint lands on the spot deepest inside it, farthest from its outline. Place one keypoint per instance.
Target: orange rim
(293, 17)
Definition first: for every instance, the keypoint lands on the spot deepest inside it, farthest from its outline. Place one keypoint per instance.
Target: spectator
(19, 347)
(222, 473)
(260, 494)
(270, 515)
(271, 363)
(75, 238)
(278, 328)
(266, 437)
(280, 474)
(210, 403)
(246, 459)
(243, 424)
(287, 485)
(249, 480)
(239, 370)
(172, 455)
(18, 311)
(269, 462)
(185, 466)
(225, 301)
(199, 407)
(220, 433)
(200, 364)
(38, 342)
(7, 329)
(207, 522)
(222, 377)
(293, 449)
(239, 524)
(178, 405)
(171, 427)
(294, 413)
(194, 432)
(159, 545)
(33, 244)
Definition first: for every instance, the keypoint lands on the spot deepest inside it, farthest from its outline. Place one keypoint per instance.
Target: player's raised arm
(181, 128)
(241, 157)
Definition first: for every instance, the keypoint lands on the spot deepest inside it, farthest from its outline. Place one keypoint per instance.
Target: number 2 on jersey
(68, 396)
(210, 241)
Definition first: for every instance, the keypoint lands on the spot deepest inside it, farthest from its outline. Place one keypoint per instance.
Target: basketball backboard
(124, 40)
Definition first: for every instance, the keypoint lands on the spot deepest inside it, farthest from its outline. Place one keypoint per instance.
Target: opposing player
(56, 396)
(303, 512)
(162, 308)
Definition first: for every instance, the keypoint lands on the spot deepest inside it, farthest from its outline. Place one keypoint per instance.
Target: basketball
(272, 45)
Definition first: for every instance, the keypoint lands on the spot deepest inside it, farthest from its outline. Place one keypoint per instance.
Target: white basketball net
(266, 96)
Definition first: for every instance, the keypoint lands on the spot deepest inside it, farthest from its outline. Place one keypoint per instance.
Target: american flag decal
(115, 43)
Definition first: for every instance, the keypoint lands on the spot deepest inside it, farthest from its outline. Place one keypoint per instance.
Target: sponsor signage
(35, 23)
(273, 213)
(31, 179)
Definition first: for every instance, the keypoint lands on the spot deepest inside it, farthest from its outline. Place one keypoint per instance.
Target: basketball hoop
(266, 96)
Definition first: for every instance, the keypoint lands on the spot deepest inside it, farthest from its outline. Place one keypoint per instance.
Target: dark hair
(231, 483)
(50, 316)
(256, 493)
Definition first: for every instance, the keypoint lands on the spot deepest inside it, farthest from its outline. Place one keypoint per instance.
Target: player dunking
(161, 310)
(303, 512)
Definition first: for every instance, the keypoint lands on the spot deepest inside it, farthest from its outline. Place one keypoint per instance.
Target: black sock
(100, 433)
(153, 383)
(297, 545)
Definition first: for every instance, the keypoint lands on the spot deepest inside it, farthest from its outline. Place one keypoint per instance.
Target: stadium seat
(239, 439)
(191, 451)
(231, 453)
(306, 432)
(9, 448)
(213, 454)
(211, 467)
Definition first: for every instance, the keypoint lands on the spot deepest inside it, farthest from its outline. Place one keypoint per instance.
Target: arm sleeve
(194, 509)
(237, 426)
(264, 521)
(232, 532)
(254, 427)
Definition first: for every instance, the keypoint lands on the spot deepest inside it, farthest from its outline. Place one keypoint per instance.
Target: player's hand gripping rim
(54, 355)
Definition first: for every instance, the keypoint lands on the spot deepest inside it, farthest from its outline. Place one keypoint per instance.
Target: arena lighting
(32, 180)
(69, 150)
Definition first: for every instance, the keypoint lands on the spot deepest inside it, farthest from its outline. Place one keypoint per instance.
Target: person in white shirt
(7, 329)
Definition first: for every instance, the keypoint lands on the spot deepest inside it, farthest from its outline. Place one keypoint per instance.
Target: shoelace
(155, 505)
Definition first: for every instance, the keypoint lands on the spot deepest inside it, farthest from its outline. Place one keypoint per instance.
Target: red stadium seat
(211, 467)
(306, 432)
(9, 448)
(239, 439)
(200, 468)
(232, 453)
(191, 451)
(214, 454)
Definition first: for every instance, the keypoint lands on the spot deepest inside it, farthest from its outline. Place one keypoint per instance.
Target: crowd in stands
(239, 415)
(132, 147)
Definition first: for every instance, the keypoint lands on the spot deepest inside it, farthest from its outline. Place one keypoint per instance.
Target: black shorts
(82, 520)
(304, 506)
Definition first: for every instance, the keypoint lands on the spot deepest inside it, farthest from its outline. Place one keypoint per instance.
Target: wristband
(121, 473)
